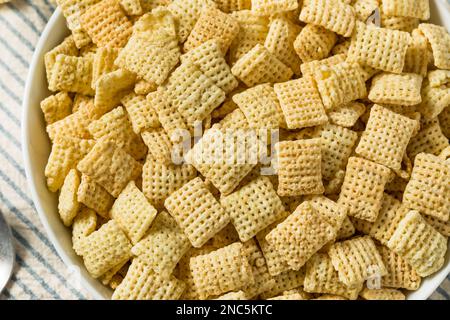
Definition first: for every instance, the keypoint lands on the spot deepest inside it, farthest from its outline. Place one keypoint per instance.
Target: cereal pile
(358, 202)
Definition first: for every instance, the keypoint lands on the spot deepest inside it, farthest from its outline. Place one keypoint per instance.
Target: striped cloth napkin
(39, 273)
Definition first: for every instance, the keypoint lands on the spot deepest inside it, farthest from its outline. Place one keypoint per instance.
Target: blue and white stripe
(39, 273)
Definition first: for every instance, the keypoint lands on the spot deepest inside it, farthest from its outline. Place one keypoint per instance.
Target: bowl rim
(422, 293)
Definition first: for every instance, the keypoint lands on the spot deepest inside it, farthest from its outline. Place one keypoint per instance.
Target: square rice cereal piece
(346, 115)
(253, 30)
(417, 54)
(156, 25)
(94, 196)
(407, 8)
(158, 144)
(419, 244)
(74, 125)
(116, 127)
(439, 78)
(406, 24)
(103, 63)
(72, 74)
(301, 235)
(399, 273)
(379, 48)
(340, 84)
(163, 245)
(334, 213)
(362, 190)
(168, 115)
(299, 167)
(439, 39)
(56, 107)
(83, 225)
(143, 283)
(187, 13)
(337, 145)
(280, 42)
(334, 15)
(434, 100)
(428, 190)
(160, 180)
(67, 202)
(193, 93)
(322, 278)
(285, 281)
(211, 61)
(253, 207)
(261, 107)
(263, 281)
(143, 87)
(65, 154)
(222, 270)
(396, 89)
(110, 166)
(150, 60)
(197, 212)
(391, 213)
(259, 66)
(67, 47)
(356, 260)
(269, 7)
(132, 212)
(314, 43)
(386, 137)
(233, 5)
(430, 139)
(382, 294)
(106, 24)
(110, 89)
(308, 68)
(223, 159)
(132, 7)
(301, 103)
(82, 102)
(213, 24)
(140, 112)
(72, 11)
(441, 226)
(105, 248)
(276, 263)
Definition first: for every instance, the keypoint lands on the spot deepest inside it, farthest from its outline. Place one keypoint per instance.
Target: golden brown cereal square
(386, 137)
(105, 248)
(382, 294)
(362, 190)
(259, 66)
(213, 24)
(419, 244)
(253, 207)
(83, 225)
(197, 212)
(301, 103)
(110, 166)
(67, 47)
(340, 84)
(107, 24)
(430, 139)
(141, 113)
(163, 245)
(428, 190)
(142, 283)
(268, 7)
(379, 48)
(417, 54)
(439, 39)
(94, 196)
(56, 107)
(314, 43)
(397, 89)
(68, 203)
(285, 281)
(299, 167)
(356, 260)
(301, 235)
(222, 270)
(404, 8)
(334, 15)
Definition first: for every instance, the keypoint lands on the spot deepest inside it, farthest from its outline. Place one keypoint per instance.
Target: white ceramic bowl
(36, 148)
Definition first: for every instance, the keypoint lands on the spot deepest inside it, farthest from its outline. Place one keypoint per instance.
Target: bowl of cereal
(114, 102)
